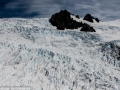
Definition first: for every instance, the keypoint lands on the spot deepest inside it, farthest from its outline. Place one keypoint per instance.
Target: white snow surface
(34, 55)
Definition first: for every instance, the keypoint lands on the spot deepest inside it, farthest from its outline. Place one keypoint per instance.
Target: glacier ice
(33, 53)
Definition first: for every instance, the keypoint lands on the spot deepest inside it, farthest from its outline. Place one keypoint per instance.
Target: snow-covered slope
(36, 56)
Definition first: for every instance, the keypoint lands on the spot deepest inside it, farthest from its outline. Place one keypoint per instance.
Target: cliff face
(33, 54)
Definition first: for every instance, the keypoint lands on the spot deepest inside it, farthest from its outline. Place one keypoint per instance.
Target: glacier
(34, 53)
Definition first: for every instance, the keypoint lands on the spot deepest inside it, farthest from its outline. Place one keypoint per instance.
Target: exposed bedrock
(62, 20)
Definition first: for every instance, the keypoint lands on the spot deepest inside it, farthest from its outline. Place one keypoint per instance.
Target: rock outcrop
(63, 20)
(87, 28)
(90, 18)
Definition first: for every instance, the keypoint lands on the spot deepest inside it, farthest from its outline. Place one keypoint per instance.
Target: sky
(105, 10)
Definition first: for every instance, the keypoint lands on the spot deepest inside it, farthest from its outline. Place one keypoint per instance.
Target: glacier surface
(34, 53)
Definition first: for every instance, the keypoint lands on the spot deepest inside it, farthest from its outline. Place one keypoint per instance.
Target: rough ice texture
(33, 53)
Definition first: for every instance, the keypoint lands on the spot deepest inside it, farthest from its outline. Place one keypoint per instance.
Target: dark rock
(63, 20)
(97, 20)
(90, 18)
(77, 16)
(60, 27)
(87, 28)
